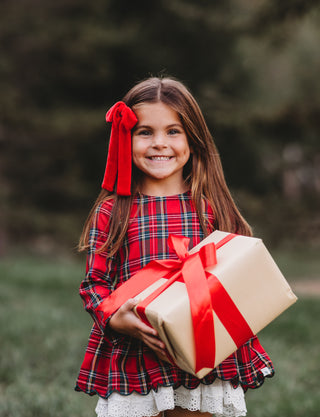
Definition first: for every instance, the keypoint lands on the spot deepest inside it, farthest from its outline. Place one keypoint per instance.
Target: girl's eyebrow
(137, 126)
(150, 127)
(175, 124)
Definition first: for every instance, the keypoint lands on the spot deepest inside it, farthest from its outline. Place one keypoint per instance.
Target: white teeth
(160, 158)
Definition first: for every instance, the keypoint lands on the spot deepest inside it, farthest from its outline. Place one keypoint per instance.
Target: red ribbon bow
(205, 291)
(119, 161)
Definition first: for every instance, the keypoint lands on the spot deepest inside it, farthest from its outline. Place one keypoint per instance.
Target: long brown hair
(203, 173)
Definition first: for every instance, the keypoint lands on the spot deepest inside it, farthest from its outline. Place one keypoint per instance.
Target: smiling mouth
(160, 158)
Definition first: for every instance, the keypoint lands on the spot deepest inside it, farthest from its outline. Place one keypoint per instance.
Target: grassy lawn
(44, 331)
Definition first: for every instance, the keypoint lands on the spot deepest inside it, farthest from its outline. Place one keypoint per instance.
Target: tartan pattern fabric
(115, 362)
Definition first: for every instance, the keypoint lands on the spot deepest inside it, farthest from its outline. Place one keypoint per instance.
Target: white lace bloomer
(218, 398)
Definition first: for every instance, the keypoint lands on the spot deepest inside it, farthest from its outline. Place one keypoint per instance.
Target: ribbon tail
(110, 174)
(228, 313)
(135, 285)
(124, 162)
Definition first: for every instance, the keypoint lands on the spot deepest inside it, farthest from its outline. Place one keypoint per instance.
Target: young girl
(163, 176)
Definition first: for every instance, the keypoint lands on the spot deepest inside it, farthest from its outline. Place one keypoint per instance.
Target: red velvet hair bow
(119, 161)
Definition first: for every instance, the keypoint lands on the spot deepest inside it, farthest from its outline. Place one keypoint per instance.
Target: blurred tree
(252, 66)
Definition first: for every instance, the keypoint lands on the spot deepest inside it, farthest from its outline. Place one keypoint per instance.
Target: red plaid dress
(114, 362)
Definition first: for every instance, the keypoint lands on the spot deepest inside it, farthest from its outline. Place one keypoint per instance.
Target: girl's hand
(126, 322)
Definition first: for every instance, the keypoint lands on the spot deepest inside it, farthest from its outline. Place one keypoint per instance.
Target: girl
(163, 176)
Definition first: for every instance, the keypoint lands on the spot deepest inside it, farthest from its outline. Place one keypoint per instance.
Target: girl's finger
(129, 304)
(144, 328)
(154, 343)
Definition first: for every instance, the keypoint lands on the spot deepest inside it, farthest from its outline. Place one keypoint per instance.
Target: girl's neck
(163, 190)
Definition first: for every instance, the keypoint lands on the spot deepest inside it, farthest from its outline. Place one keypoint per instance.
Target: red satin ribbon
(205, 292)
(119, 161)
(228, 312)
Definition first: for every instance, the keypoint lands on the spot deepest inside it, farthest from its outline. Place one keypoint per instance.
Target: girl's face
(160, 149)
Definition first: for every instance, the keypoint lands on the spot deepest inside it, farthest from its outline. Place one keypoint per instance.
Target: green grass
(292, 341)
(44, 331)
(298, 263)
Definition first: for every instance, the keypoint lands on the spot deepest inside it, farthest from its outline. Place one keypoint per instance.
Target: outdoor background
(253, 67)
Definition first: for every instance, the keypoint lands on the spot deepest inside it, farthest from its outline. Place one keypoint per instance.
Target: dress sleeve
(101, 271)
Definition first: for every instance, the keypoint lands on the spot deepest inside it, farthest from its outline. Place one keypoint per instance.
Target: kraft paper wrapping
(251, 277)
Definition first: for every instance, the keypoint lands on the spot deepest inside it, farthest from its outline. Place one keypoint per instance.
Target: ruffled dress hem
(234, 381)
(218, 398)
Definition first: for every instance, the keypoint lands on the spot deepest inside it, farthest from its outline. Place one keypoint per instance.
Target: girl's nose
(159, 140)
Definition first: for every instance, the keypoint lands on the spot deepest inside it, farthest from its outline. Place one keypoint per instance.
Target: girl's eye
(144, 133)
(173, 132)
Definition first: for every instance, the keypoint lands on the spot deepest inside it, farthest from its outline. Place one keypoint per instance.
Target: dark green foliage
(253, 67)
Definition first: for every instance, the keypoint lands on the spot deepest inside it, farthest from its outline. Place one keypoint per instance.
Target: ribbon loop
(119, 161)
(180, 245)
(208, 254)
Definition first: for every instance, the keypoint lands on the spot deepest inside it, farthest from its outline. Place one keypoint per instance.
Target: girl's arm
(101, 275)
(100, 271)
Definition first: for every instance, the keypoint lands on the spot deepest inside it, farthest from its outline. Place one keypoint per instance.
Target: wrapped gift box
(250, 276)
